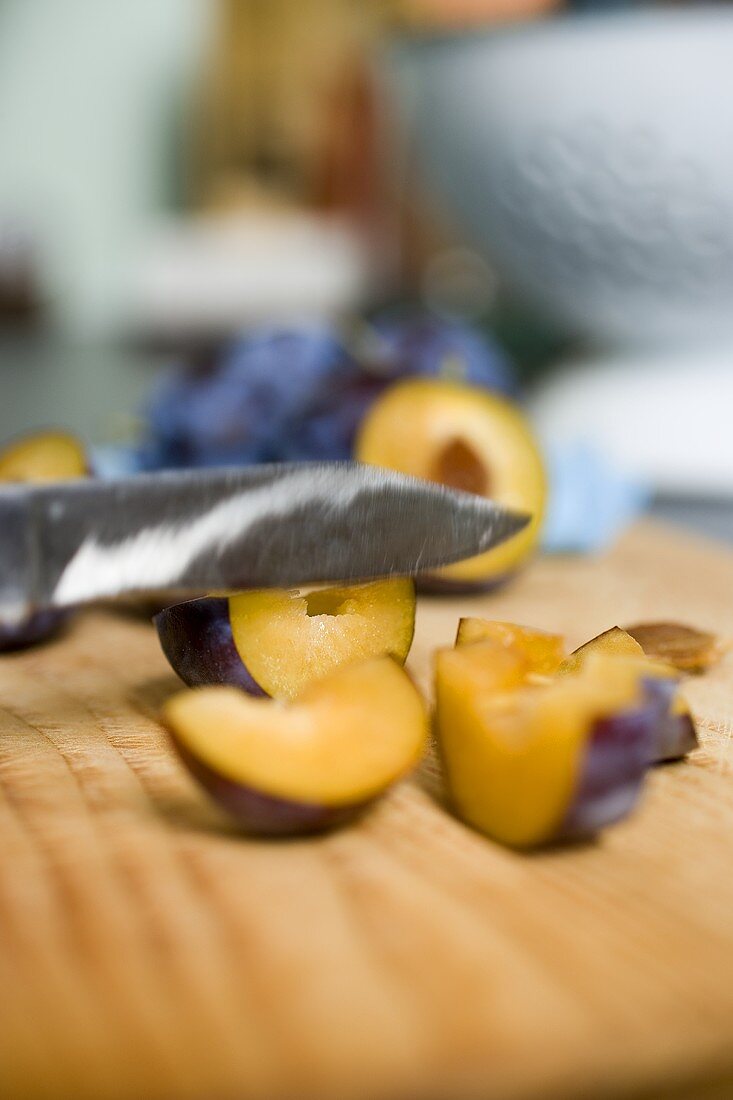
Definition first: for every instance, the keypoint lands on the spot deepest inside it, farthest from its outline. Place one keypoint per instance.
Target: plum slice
(531, 763)
(306, 766)
(36, 458)
(444, 430)
(676, 734)
(544, 651)
(274, 642)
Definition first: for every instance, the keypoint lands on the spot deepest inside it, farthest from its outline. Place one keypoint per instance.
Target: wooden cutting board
(149, 952)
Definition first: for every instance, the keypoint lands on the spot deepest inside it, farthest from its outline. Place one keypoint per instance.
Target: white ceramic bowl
(591, 158)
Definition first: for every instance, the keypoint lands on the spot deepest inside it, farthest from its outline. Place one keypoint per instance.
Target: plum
(241, 408)
(543, 656)
(469, 439)
(531, 763)
(542, 650)
(676, 734)
(274, 642)
(428, 346)
(39, 626)
(37, 458)
(43, 457)
(614, 642)
(300, 392)
(310, 765)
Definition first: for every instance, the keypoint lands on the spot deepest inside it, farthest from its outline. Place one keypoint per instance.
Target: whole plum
(426, 345)
(240, 409)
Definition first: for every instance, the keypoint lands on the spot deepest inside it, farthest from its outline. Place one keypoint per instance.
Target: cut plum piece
(682, 647)
(471, 440)
(37, 627)
(527, 763)
(298, 768)
(37, 458)
(614, 642)
(274, 642)
(544, 651)
(42, 457)
(676, 734)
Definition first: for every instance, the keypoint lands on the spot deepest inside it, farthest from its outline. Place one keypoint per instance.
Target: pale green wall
(89, 94)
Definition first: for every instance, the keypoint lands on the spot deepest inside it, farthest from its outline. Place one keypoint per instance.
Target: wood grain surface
(149, 952)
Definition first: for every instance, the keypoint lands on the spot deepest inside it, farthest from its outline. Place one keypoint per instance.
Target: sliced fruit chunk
(542, 762)
(683, 647)
(274, 642)
(544, 651)
(310, 765)
(614, 641)
(676, 734)
(44, 456)
(36, 458)
(469, 439)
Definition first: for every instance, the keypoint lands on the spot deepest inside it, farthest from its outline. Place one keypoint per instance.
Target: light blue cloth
(591, 502)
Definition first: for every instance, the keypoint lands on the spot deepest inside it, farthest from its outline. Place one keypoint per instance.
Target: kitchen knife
(280, 525)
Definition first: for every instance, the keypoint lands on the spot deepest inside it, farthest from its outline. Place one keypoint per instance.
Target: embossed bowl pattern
(591, 158)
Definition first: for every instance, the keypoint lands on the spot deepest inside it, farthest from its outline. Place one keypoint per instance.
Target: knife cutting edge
(281, 525)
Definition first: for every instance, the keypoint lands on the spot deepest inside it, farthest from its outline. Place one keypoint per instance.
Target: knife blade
(262, 526)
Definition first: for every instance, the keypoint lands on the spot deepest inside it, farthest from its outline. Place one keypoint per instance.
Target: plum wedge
(34, 459)
(529, 763)
(306, 766)
(676, 734)
(543, 651)
(274, 642)
(544, 656)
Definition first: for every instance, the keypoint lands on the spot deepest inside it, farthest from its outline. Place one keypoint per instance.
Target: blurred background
(196, 194)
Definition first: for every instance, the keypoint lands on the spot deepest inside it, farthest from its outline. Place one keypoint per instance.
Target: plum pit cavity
(458, 466)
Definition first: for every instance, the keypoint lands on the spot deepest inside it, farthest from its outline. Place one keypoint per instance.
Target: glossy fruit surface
(38, 458)
(676, 733)
(43, 457)
(308, 765)
(468, 439)
(276, 642)
(528, 763)
(543, 651)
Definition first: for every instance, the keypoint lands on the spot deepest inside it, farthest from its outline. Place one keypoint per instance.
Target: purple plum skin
(676, 734)
(196, 637)
(619, 752)
(38, 627)
(244, 406)
(432, 584)
(420, 343)
(266, 815)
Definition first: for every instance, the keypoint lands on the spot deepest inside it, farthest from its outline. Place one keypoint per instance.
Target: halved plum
(44, 456)
(36, 458)
(300, 768)
(466, 438)
(274, 642)
(676, 734)
(530, 763)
